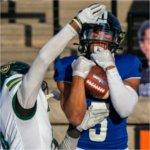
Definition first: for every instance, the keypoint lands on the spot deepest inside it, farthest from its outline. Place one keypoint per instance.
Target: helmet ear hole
(121, 37)
(82, 48)
(119, 51)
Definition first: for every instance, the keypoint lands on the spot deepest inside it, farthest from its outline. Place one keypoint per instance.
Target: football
(96, 83)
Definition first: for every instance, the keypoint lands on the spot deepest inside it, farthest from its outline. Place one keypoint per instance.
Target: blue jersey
(111, 133)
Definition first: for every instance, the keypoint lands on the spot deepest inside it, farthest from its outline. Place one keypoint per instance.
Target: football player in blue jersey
(99, 44)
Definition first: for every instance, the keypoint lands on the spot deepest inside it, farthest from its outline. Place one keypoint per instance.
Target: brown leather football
(96, 83)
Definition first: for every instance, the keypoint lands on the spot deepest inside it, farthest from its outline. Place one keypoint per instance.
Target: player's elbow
(76, 119)
(125, 101)
(129, 108)
(125, 113)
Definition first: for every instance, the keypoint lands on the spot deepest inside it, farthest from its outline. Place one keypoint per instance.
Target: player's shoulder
(71, 57)
(63, 69)
(127, 57)
(10, 86)
(127, 60)
(64, 61)
(12, 81)
(13, 78)
(128, 65)
(68, 59)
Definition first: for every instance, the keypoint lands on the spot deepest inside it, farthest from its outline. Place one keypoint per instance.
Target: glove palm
(92, 117)
(103, 58)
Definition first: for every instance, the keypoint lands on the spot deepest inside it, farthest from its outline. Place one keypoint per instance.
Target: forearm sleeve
(123, 97)
(29, 89)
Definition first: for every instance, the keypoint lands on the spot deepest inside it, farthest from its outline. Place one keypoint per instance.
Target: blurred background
(26, 25)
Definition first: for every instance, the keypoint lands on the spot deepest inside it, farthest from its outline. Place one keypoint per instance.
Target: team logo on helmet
(5, 68)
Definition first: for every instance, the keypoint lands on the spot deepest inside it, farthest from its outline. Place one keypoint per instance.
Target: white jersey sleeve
(29, 89)
(12, 84)
(23, 128)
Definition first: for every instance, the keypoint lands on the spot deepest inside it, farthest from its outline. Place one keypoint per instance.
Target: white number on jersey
(103, 125)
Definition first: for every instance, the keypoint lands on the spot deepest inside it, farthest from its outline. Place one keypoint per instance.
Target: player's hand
(82, 66)
(92, 117)
(90, 14)
(103, 58)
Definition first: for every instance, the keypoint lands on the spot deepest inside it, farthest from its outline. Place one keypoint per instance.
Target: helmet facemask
(100, 34)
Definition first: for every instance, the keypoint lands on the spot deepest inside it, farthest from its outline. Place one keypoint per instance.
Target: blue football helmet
(109, 31)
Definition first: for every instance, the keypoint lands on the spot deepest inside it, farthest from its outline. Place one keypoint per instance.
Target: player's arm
(133, 82)
(72, 135)
(28, 91)
(65, 87)
(123, 93)
(91, 116)
(73, 99)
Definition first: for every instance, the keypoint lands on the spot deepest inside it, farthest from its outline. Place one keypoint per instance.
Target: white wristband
(78, 73)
